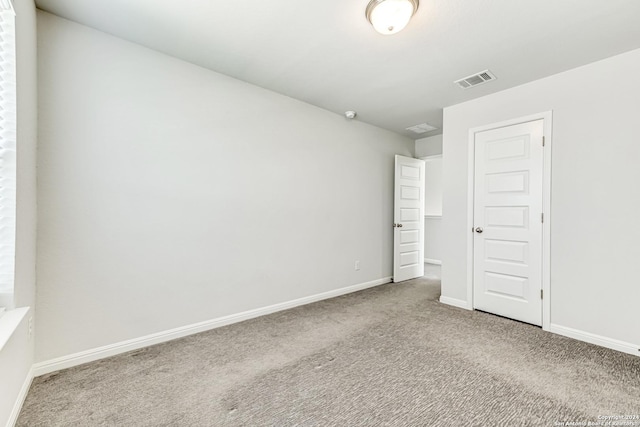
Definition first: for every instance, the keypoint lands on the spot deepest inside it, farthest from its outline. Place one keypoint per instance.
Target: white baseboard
(160, 337)
(433, 261)
(611, 343)
(455, 302)
(17, 406)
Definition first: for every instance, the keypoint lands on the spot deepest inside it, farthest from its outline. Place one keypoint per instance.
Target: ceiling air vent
(475, 79)
(421, 128)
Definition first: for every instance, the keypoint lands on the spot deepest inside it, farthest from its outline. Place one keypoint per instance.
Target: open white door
(408, 219)
(508, 208)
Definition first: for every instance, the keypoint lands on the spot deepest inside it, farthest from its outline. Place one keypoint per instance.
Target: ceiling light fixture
(390, 16)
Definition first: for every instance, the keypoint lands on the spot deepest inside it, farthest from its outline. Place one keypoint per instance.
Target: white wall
(169, 194)
(433, 240)
(429, 146)
(17, 355)
(595, 202)
(433, 186)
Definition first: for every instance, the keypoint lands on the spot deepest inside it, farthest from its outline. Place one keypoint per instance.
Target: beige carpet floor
(387, 356)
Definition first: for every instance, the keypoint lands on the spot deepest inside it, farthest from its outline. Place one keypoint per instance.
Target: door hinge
(542, 217)
(541, 294)
(543, 141)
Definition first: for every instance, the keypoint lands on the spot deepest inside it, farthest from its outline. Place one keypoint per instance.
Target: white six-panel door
(408, 223)
(508, 208)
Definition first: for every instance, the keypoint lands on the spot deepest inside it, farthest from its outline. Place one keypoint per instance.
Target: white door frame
(547, 117)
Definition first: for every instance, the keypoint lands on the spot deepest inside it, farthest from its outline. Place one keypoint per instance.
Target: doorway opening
(433, 216)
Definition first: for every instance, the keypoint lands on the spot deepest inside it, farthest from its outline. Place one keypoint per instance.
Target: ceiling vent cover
(475, 79)
(421, 128)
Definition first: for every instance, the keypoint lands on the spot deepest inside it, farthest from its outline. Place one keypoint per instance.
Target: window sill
(9, 322)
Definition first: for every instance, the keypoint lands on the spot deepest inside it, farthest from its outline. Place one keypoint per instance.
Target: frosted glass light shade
(390, 16)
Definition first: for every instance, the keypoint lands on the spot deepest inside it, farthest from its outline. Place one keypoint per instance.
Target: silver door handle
(479, 230)
(399, 225)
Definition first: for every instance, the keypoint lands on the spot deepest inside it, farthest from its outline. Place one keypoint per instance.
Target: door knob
(479, 230)
(399, 225)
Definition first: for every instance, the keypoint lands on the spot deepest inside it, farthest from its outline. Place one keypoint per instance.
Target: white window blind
(7, 152)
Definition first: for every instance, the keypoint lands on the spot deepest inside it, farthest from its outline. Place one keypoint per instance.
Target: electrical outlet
(30, 326)
(357, 265)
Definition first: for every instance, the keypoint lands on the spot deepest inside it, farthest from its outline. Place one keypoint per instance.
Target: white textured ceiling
(325, 52)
